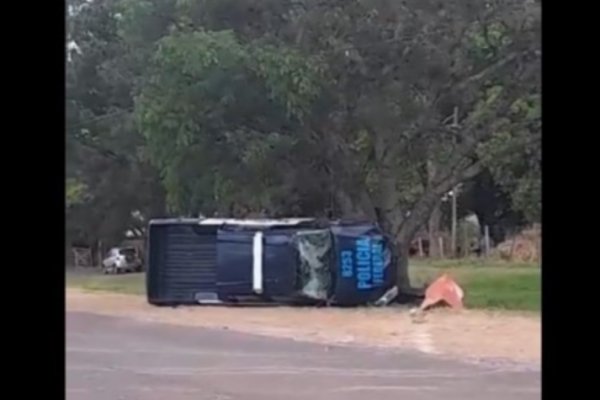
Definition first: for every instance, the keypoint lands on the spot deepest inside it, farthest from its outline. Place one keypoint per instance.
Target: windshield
(314, 249)
(128, 252)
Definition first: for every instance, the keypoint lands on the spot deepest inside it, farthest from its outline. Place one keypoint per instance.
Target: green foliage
(109, 177)
(76, 192)
(486, 40)
(370, 107)
(125, 284)
(290, 77)
(489, 285)
(508, 291)
(497, 287)
(216, 104)
(513, 155)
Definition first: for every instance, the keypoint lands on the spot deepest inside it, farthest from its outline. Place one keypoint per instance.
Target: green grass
(474, 263)
(490, 285)
(126, 283)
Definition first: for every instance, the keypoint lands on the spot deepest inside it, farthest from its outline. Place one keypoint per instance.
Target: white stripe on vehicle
(257, 264)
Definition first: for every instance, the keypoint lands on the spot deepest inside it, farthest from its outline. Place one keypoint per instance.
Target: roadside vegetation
(395, 112)
(487, 284)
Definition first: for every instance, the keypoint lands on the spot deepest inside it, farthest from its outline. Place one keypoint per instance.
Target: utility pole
(454, 233)
(453, 239)
(486, 232)
(455, 125)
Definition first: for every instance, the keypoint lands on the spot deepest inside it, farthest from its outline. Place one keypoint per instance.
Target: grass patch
(512, 292)
(495, 285)
(473, 263)
(126, 283)
(514, 287)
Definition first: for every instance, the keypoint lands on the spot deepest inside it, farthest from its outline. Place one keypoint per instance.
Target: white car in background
(122, 260)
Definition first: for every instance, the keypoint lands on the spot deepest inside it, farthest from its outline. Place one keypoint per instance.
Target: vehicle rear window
(127, 252)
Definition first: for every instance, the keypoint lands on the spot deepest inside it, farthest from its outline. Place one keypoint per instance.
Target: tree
(216, 104)
(108, 177)
(250, 106)
(375, 96)
(514, 158)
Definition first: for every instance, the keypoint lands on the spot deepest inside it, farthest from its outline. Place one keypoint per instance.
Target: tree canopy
(345, 108)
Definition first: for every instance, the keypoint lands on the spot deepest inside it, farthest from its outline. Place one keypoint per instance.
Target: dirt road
(465, 335)
(112, 358)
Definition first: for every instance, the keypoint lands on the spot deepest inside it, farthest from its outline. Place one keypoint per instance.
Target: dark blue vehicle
(306, 261)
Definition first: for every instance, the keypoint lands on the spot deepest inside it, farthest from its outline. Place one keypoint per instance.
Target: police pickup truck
(303, 260)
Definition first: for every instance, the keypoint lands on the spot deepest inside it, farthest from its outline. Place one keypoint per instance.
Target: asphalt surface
(123, 359)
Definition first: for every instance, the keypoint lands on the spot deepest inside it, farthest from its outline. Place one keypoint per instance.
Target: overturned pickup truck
(293, 261)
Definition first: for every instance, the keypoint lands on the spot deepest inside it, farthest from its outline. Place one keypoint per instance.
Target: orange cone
(443, 289)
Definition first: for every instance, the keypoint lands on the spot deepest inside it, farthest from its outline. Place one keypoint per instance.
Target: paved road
(122, 359)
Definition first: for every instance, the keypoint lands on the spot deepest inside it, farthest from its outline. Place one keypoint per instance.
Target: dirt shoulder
(472, 334)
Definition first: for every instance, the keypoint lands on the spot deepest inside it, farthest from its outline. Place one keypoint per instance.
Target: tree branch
(461, 84)
(104, 152)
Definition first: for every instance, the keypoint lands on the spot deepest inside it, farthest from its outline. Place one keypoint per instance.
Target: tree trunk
(433, 229)
(433, 226)
(419, 215)
(402, 277)
(357, 206)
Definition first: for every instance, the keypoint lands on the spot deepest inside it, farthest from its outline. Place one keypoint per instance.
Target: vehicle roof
(122, 248)
(264, 222)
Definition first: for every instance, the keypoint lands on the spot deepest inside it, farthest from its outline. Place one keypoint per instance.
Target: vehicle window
(127, 252)
(314, 249)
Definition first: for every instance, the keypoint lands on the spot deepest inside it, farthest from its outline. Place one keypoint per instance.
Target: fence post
(466, 247)
(99, 254)
(513, 245)
(454, 224)
(486, 231)
(539, 249)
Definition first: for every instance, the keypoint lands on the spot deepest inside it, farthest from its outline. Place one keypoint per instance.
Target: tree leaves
(219, 103)
(76, 192)
(514, 156)
(311, 107)
(109, 177)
